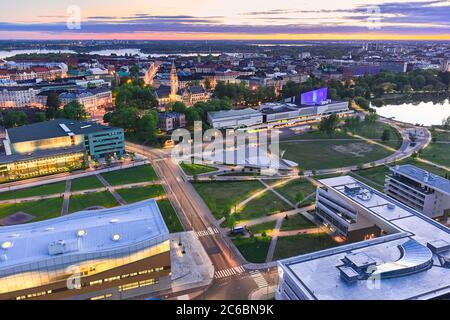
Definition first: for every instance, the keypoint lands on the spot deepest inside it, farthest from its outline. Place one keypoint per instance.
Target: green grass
(295, 222)
(86, 183)
(339, 134)
(143, 173)
(170, 216)
(41, 209)
(374, 177)
(219, 195)
(443, 136)
(43, 190)
(262, 227)
(194, 169)
(291, 189)
(438, 153)
(315, 156)
(84, 201)
(136, 194)
(253, 249)
(264, 205)
(301, 244)
(375, 131)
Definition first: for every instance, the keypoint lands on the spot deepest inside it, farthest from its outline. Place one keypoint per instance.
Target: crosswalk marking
(228, 272)
(259, 279)
(208, 232)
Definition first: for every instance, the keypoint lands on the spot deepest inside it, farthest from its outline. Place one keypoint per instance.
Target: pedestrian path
(208, 232)
(228, 272)
(65, 206)
(106, 184)
(259, 279)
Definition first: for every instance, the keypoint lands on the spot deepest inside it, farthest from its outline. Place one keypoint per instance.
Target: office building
(419, 189)
(113, 253)
(410, 259)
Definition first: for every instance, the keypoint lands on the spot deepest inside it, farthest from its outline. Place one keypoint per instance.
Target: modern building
(169, 121)
(410, 260)
(55, 146)
(239, 118)
(419, 189)
(113, 253)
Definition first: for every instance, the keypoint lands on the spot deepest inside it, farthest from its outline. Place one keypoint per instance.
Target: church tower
(173, 83)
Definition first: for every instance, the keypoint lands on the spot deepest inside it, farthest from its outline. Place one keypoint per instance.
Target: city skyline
(233, 20)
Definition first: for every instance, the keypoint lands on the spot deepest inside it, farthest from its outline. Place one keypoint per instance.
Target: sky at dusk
(225, 19)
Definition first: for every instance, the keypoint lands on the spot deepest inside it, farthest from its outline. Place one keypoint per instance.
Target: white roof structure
(81, 235)
(407, 261)
(423, 177)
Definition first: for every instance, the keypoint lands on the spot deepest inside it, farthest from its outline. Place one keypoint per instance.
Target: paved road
(195, 215)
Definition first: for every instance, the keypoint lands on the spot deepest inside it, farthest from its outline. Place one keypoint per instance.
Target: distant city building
(171, 120)
(410, 260)
(56, 146)
(21, 96)
(419, 189)
(394, 66)
(95, 101)
(116, 253)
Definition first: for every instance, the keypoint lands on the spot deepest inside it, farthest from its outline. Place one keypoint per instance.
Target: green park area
(221, 196)
(375, 131)
(192, 169)
(85, 183)
(262, 227)
(301, 244)
(170, 216)
(138, 174)
(265, 204)
(102, 199)
(40, 209)
(44, 190)
(254, 249)
(297, 190)
(438, 153)
(136, 194)
(332, 154)
(296, 222)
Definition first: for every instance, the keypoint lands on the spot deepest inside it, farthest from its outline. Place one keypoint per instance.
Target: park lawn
(373, 177)
(296, 222)
(438, 153)
(443, 136)
(321, 155)
(262, 227)
(375, 131)
(254, 249)
(301, 244)
(41, 209)
(264, 205)
(136, 194)
(84, 201)
(220, 195)
(170, 216)
(291, 189)
(85, 183)
(138, 174)
(310, 135)
(44, 190)
(194, 169)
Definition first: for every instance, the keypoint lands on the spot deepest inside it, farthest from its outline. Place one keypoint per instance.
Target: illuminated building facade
(113, 253)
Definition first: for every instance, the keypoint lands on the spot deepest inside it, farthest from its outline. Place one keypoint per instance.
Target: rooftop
(318, 275)
(234, 113)
(424, 177)
(52, 129)
(100, 230)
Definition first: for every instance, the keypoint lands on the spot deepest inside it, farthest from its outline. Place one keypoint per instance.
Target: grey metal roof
(40, 154)
(52, 129)
(233, 113)
(423, 176)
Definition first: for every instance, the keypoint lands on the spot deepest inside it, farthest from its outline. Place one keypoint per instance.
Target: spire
(173, 83)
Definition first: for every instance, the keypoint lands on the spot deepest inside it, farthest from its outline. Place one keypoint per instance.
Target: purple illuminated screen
(314, 97)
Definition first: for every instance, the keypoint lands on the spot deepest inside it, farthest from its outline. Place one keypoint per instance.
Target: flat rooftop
(317, 273)
(53, 129)
(234, 113)
(29, 243)
(424, 177)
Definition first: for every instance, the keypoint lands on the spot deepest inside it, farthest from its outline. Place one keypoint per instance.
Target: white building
(411, 260)
(419, 189)
(19, 97)
(235, 118)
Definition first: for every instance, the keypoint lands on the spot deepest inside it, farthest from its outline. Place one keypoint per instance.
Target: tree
(370, 118)
(362, 102)
(53, 105)
(39, 117)
(207, 84)
(231, 221)
(147, 127)
(73, 110)
(386, 136)
(179, 107)
(329, 124)
(15, 119)
(446, 123)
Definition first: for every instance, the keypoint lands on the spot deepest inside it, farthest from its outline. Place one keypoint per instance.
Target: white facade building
(235, 118)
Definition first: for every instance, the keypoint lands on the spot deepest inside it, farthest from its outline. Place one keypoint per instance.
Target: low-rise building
(95, 101)
(169, 121)
(419, 189)
(239, 118)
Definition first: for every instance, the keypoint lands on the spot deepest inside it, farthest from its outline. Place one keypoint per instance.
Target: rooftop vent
(391, 206)
(6, 245)
(115, 237)
(62, 246)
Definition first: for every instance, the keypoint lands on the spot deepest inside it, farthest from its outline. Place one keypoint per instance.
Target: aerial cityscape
(225, 151)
